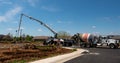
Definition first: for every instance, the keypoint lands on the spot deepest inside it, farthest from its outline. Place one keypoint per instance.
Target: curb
(61, 58)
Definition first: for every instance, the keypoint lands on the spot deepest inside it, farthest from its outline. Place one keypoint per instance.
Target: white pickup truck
(112, 43)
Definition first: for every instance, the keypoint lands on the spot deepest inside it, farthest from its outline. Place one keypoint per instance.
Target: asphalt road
(98, 55)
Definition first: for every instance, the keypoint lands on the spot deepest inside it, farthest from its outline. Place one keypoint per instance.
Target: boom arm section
(55, 34)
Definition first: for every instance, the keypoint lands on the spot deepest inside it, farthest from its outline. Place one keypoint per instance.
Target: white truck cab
(112, 43)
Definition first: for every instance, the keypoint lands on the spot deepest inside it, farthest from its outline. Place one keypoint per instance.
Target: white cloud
(64, 22)
(16, 22)
(68, 31)
(93, 27)
(69, 22)
(118, 16)
(51, 24)
(39, 30)
(5, 2)
(22, 28)
(107, 19)
(50, 8)
(10, 29)
(96, 32)
(59, 21)
(2, 18)
(111, 33)
(32, 2)
(10, 14)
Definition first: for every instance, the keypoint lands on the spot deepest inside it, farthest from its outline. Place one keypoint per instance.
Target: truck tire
(94, 45)
(88, 45)
(116, 46)
(64, 44)
(85, 45)
(70, 44)
(82, 45)
(112, 46)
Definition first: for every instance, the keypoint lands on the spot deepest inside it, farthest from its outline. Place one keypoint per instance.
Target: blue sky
(72, 16)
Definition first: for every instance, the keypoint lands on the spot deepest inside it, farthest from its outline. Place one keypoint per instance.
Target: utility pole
(21, 35)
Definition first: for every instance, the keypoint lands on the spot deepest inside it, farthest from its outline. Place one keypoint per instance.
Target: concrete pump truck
(50, 40)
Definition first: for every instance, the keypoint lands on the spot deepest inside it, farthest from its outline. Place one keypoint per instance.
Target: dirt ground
(12, 53)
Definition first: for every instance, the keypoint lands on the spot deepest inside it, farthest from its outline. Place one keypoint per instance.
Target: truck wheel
(116, 46)
(95, 45)
(82, 45)
(64, 44)
(70, 44)
(88, 45)
(112, 46)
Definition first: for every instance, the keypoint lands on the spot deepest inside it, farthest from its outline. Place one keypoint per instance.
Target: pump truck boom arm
(55, 34)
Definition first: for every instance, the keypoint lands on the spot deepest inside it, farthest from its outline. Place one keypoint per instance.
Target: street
(98, 55)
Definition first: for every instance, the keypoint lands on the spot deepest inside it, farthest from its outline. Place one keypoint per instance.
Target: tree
(64, 35)
(28, 38)
(16, 38)
(23, 38)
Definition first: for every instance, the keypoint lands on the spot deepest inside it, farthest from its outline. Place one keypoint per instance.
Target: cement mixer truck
(92, 40)
(86, 39)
